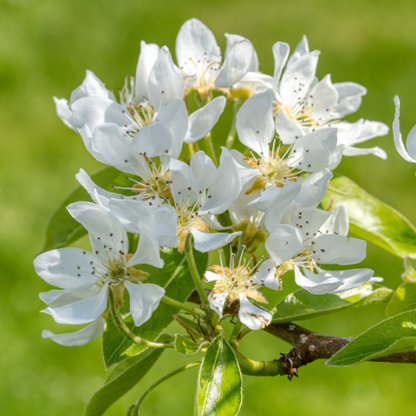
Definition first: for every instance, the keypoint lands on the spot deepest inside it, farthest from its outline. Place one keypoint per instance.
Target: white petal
(183, 184)
(195, 41)
(86, 136)
(205, 242)
(314, 188)
(94, 190)
(236, 64)
(216, 301)
(130, 212)
(212, 222)
(255, 82)
(144, 300)
(162, 225)
(60, 268)
(280, 55)
(245, 172)
(266, 274)
(204, 170)
(324, 98)
(234, 39)
(147, 58)
(153, 140)
(358, 151)
(279, 204)
(252, 316)
(174, 117)
(338, 222)
(284, 243)
(339, 249)
(94, 111)
(298, 73)
(165, 83)
(203, 120)
(349, 98)
(313, 152)
(81, 312)
(287, 129)
(316, 283)
(78, 338)
(100, 222)
(211, 277)
(310, 221)
(111, 145)
(64, 113)
(254, 122)
(91, 86)
(350, 278)
(226, 190)
(55, 298)
(148, 252)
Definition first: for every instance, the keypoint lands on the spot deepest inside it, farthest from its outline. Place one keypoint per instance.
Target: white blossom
(304, 104)
(240, 282)
(85, 276)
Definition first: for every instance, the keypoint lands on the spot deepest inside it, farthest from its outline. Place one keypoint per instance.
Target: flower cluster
(264, 199)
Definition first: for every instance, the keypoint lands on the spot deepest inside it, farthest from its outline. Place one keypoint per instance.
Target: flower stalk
(123, 328)
(194, 270)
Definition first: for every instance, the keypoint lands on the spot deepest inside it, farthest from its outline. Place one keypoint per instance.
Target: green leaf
(403, 300)
(62, 229)
(409, 274)
(178, 284)
(219, 391)
(393, 335)
(186, 347)
(303, 305)
(122, 378)
(372, 219)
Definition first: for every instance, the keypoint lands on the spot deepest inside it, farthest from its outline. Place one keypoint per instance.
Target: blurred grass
(45, 47)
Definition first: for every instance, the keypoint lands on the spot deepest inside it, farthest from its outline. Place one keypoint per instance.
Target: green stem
(194, 270)
(259, 368)
(180, 305)
(236, 332)
(121, 325)
(210, 148)
(134, 409)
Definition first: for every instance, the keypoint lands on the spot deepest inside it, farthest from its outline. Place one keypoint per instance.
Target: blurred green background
(45, 48)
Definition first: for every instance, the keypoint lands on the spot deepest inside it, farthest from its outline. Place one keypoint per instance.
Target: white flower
(310, 153)
(199, 59)
(304, 104)
(157, 84)
(410, 154)
(197, 192)
(239, 282)
(310, 238)
(85, 277)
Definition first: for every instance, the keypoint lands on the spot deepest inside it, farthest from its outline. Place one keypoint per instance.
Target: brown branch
(309, 346)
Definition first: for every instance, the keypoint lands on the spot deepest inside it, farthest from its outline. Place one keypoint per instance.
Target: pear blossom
(311, 237)
(410, 154)
(199, 59)
(197, 192)
(304, 104)
(142, 101)
(240, 282)
(86, 277)
(310, 153)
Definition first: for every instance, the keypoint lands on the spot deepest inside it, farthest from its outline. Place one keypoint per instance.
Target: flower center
(238, 279)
